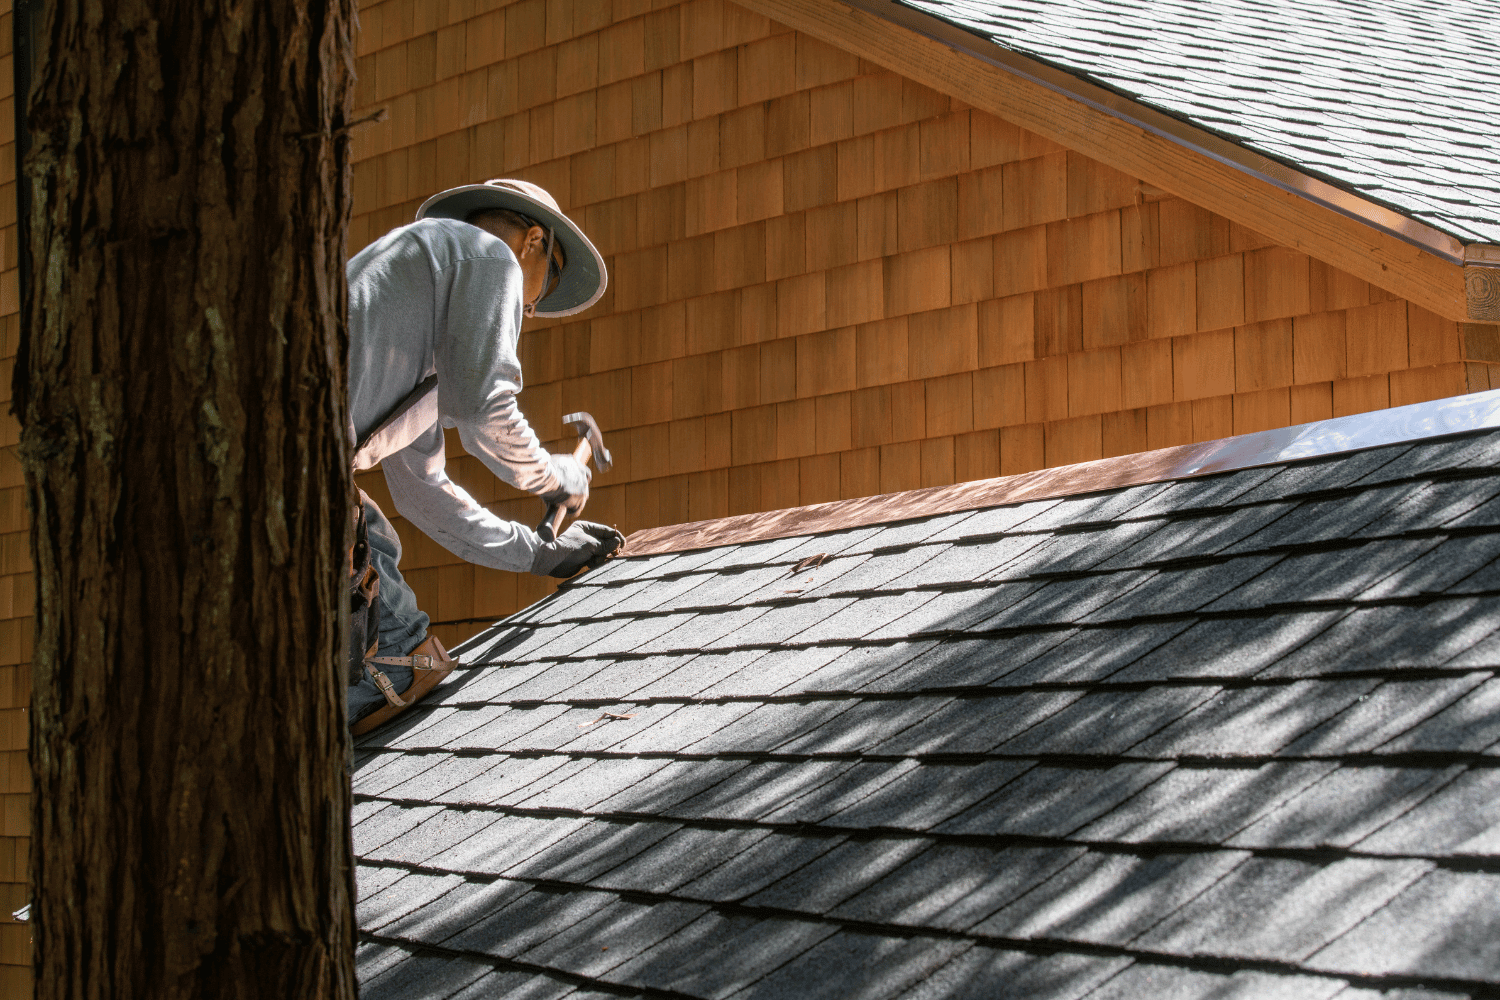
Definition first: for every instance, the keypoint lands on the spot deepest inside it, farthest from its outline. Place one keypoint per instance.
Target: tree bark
(181, 391)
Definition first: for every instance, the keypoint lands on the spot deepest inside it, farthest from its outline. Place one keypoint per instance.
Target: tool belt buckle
(421, 661)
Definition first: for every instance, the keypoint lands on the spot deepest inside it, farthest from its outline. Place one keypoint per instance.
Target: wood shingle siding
(828, 280)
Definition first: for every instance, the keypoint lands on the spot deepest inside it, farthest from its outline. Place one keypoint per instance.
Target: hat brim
(583, 279)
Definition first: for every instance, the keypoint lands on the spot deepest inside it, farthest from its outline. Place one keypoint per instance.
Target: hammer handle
(552, 522)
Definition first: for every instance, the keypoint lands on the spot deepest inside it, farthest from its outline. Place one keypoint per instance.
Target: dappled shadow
(1145, 771)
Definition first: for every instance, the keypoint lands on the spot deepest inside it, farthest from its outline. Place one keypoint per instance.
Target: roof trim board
(1418, 421)
(1295, 210)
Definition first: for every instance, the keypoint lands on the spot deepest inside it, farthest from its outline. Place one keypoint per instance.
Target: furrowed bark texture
(183, 409)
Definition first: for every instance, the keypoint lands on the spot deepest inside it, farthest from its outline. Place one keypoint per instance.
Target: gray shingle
(1202, 804)
(1110, 898)
(1447, 924)
(1471, 724)
(784, 623)
(611, 936)
(717, 955)
(1315, 902)
(1345, 807)
(1427, 457)
(1463, 817)
(1339, 575)
(1330, 473)
(516, 986)
(955, 610)
(535, 916)
(1196, 537)
(691, 674)
(753, 790)
(865, 725)
(673, 785)
(677, 859)
(847, 787)
(456, 910)
(444, 773)
(1231, 647)
(1254, 720)
(1066, 602)
(1076, 551)
(863, 617)
(672, 732)
(411, 891)
(508, 779)
(762, 863)
(852, 964)
(1054, 801)
(386, 825)
(594, 847)
(955, 886)
(1440, 569)
(1165, 982)
(1431, 505)
(1094, 654)
(1394, 708)
(831, 878)
(858, 668)
(970, 663)
(508, 842)
(976, 725)
(970, 562)
(926, 796)
(776, 725)
(1204, 493)
(777, 671)
(994, 974)
(423, 975)
(877, 572)
(597, 781)
(1108, 722)
(1393, 636)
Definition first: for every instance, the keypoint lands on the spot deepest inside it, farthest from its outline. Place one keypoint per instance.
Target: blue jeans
(402, 626)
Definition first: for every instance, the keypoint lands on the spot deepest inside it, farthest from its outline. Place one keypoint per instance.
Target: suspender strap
(411, 416)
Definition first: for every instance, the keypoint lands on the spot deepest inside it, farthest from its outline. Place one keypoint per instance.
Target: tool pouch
(364, 598)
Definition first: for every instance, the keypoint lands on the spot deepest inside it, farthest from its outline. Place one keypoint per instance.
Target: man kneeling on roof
(435, 312)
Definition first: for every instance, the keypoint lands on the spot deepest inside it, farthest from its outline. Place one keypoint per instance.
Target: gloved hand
(583, 544)
(572, 484)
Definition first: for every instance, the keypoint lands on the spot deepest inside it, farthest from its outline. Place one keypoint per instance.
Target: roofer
(435, 311)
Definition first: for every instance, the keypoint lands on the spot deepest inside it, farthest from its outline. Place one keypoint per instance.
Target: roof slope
(1235, 736)
(1398, 101)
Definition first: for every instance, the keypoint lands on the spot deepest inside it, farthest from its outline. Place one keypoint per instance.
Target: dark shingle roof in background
(1115, 745)
(1397, 101)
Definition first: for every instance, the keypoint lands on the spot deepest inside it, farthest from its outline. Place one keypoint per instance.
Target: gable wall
(827, 281)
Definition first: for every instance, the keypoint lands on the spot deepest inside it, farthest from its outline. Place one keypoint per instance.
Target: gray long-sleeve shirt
(444, 296)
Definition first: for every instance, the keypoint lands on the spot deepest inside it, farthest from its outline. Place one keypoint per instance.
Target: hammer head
(588, 427)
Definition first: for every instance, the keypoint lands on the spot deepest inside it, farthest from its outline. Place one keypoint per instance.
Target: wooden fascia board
(1385, 260)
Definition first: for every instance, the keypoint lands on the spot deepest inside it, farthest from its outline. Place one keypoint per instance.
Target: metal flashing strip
(1339, 435)
(1174, 129)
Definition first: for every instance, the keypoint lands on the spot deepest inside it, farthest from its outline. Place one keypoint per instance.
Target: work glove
(585, 543)
(572, 483)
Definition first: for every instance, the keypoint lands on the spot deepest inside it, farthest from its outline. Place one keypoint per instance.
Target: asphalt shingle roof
(1397, 100)
(1121, 745)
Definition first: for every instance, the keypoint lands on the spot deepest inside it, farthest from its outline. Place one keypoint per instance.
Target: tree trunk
(181, 391)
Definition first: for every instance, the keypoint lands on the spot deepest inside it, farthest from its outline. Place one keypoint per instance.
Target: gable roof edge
(1368, 240)
(1339, 435)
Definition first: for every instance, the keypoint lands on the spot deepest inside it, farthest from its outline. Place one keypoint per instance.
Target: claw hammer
(590, 445)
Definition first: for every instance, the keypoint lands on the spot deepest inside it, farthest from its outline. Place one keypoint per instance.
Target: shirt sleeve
(418, 479)
(479, 373)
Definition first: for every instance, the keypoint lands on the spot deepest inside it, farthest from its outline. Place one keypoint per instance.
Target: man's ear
(536, 240)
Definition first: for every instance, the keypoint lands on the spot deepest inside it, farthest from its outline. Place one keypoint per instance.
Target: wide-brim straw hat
(583, 279)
